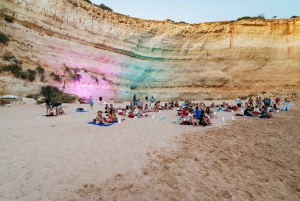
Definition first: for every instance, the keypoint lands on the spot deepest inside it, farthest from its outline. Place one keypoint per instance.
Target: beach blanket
(160, 119)
(81, 111)
(102, 125)
(47, 115)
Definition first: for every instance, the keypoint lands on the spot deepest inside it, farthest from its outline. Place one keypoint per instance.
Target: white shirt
(238, 100)
(189, 116)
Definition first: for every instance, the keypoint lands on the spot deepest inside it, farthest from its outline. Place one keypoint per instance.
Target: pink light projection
(89, 85)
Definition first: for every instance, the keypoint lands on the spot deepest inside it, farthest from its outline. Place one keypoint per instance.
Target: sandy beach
(64, 158)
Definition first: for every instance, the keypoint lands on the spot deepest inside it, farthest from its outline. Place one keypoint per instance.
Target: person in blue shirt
(197, 113)
(184, 103)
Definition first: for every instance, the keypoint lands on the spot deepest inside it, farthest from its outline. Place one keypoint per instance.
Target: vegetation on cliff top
(261, 16)
(104, 7)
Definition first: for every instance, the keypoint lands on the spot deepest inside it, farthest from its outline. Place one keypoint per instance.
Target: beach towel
(102, 125)
(81, 111)
(160, 119)
(47, 115)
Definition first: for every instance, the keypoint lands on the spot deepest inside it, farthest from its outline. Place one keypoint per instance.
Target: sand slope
(252, 159)
(64, 158)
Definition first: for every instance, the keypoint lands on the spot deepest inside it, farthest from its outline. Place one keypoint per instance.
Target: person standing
(134, 99)
(48, 105)
(91, 102)
(250, 102)
(152, 100)
(238, 102)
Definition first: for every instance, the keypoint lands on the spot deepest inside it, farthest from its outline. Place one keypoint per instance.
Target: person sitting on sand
(265, 113)
(141, 113)
(146, 108)
(184, 112)
(192, 119)
(206, 120)
(256, 110)
(120, 111)
(197, 113)
(176, 104)
(106, 108)
(100, 119)
(111, 117)
(172, 104)
(169, 106)
(270, 109)
(157, 107)
(248, 112)
(286, 106)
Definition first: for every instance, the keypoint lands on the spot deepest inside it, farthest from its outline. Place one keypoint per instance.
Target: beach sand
(64, 158)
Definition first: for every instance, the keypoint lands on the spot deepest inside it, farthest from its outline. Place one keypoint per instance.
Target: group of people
(195, 114)
(263, 107)
(191, 113)
(53, 109)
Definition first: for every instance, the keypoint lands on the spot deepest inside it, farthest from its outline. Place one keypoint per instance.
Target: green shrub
(170, 20)
(182, 22)
(50, 91)
(15, 69)
(31, 74)
(88, 1)
(8, 18)
(261, 16)
(56, 77)
(64, 98)
(24, 75)
(3, 38)
(244, 18)
(8, 56)
(56, 95)
(294, 16)
(209, 98)
(40, 70)
(105, 7)
(133, 86)
(34, 96)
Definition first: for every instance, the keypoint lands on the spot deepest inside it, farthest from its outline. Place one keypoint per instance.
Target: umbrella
(10, 97)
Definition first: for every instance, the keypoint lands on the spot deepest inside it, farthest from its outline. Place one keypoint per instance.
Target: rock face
(117, 56)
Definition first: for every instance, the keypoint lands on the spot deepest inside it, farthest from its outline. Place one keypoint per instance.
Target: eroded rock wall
(118, 55)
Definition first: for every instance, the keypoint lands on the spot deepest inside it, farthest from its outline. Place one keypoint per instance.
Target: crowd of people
(195, 114)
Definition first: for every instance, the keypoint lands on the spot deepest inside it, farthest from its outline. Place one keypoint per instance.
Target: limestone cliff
(117, 55)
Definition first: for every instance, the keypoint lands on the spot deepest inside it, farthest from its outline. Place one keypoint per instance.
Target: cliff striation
(117, 55)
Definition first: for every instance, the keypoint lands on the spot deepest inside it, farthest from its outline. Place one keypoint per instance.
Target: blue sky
(195, 11)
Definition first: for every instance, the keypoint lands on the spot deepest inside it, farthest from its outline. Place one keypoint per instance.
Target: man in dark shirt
(134, 99)
(48, 105)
